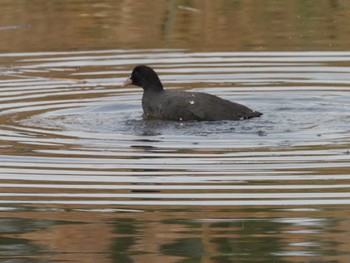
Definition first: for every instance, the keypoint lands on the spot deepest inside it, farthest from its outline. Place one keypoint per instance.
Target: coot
(158, 103)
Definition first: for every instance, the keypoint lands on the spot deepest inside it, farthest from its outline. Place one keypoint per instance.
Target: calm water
(83, 178)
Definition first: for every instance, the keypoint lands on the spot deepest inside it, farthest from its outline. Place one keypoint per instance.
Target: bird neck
(155, 86)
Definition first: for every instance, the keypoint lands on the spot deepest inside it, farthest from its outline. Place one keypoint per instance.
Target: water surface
(83, 178)
(78, 159)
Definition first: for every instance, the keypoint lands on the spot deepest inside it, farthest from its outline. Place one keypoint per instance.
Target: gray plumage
(158, 103)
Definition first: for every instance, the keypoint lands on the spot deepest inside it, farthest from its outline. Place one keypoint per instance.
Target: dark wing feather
(210, 107)
(181, 105)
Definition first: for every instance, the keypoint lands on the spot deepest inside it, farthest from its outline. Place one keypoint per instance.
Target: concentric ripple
(70, 135)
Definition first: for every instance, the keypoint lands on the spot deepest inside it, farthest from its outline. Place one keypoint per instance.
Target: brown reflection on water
(143, 236)
(116, 233)
(39, 25)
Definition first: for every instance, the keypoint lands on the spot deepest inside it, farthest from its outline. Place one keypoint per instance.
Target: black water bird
(177, 105)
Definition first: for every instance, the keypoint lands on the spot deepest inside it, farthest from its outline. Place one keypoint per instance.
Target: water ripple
(71, 136)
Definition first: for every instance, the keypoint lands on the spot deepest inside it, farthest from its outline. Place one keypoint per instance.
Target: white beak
(127, 82)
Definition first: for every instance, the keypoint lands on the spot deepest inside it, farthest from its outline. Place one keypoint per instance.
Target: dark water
(83, 178)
